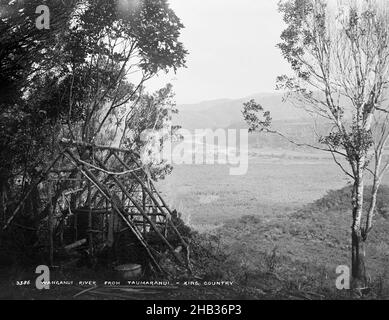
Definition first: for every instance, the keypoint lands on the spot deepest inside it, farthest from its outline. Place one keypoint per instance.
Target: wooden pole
(75, 225)
(3, 207)
(183, 242)
(90, 176)
(90, 225)
(50, 224)
(103, 226)
(154, 200)
(94, 146)
(144, 209)
(152, 224)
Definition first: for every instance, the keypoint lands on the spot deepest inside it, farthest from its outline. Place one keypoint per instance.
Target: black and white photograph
(183, 150)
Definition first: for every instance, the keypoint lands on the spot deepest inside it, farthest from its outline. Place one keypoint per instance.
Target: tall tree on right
(339, 53)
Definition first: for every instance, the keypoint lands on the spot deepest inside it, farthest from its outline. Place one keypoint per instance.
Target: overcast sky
(231, 46)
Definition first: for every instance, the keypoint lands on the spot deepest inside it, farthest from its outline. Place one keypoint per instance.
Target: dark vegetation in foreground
(291, 256)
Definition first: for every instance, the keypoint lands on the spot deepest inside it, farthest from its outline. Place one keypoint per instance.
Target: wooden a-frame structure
(109, 182)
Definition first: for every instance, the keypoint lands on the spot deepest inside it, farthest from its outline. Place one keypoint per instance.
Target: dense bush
(341, 199)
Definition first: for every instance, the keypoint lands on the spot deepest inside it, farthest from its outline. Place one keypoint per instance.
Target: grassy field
(281, 217)
(279, 182)
(207, 195)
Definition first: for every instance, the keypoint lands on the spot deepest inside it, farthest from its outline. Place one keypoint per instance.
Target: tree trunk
(358, 271)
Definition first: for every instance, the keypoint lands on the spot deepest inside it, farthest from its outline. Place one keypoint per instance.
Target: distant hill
(226, 112)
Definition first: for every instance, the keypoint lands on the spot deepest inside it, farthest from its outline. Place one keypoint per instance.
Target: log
(94, 146)
(74, 245)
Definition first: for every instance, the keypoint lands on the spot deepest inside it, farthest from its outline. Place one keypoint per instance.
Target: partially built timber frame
(109, 181)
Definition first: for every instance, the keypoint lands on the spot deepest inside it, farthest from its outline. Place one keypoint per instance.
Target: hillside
(226, 112)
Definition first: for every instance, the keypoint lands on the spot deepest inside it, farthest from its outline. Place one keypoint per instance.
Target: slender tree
(339, 54)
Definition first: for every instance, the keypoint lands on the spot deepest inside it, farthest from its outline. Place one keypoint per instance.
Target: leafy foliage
(65, 75)
(256, 116)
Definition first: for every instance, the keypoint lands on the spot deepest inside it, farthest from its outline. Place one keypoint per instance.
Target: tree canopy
(70, 80)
